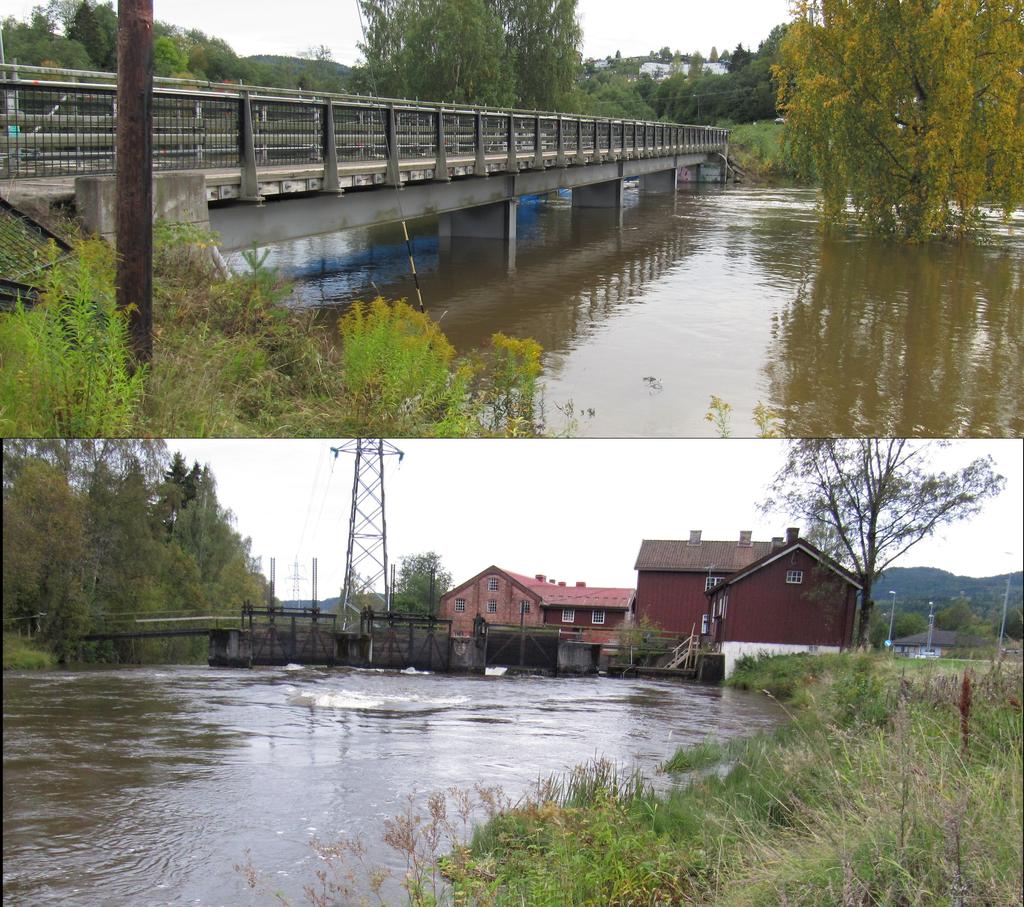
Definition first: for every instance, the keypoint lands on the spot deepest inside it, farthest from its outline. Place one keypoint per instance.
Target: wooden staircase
(684, 656)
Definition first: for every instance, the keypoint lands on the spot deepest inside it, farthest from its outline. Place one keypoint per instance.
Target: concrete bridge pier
(470, 233)
(659, 182)
(598, 195)
(495, 221)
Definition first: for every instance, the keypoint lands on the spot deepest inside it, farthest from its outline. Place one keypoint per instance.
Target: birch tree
(869, 501)
(914, 109)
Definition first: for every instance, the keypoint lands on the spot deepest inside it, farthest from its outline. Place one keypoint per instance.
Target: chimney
(562, 583)
(540, 577)
(552, 582)
(792, 534)
(580, 585)
(745, 541)
(694, 537)
(777, 542)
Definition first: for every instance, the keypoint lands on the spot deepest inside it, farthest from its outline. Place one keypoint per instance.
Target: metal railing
(63, 123)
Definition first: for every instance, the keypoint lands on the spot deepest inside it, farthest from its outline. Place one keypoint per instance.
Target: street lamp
(892, 613)
(1006, 601)
(931, 625)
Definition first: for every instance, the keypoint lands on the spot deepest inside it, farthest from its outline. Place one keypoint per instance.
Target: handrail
(55, 128)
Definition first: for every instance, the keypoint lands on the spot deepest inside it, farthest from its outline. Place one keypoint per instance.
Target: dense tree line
(745, 93)
(501, 52)
(97, 533)
(82, 34)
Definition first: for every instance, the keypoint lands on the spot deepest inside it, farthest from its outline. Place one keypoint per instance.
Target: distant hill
(327, 605)
(298, 63)
(916, 586)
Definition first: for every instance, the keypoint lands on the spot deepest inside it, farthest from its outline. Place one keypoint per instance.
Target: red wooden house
(793, 599)
(503, 597)
(672, 577)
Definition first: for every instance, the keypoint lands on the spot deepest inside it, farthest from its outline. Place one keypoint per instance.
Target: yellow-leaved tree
(912, 109)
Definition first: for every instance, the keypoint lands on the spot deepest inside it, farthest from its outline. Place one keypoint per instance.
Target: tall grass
(21, 654)
(65, 368)
(231, 358)
(883, 790)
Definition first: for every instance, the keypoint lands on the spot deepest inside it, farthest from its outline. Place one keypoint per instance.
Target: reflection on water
(147, 786)
(645, 313)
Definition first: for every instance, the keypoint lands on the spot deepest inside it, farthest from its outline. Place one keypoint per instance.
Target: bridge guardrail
(64, 122)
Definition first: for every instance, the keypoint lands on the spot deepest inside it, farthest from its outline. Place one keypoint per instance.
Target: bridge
(261, 165)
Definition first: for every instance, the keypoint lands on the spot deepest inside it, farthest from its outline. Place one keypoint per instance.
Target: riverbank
(20, 654)
(893, 784)
(758, 152)
(231, 359)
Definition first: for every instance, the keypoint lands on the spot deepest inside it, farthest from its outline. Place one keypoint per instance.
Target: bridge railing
(64, 123)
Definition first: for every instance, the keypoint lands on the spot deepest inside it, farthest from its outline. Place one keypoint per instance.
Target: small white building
(656, 71)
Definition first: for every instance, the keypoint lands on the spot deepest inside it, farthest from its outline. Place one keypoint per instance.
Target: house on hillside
(590, 613)
(672, 576)
(656, 71)
(944, 642)
(795, 598)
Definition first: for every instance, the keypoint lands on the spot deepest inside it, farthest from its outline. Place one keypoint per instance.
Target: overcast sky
(573, 510)
(636, 28)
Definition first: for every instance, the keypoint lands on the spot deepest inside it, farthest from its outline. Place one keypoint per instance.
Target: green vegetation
(83, 35)
(98, 533)
(230, 359)
(65, 365)
(22, 654)
(883, 789)
(913, 110)
(522, 52)
(758, 151)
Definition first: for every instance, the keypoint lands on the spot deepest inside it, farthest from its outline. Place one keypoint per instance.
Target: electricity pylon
(366, 561)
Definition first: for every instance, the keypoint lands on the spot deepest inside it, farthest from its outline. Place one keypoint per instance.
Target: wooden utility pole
(135, 172)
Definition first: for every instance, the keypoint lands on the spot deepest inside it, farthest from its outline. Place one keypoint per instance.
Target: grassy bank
(885, 788)
(232, 359)
(20, 654)
(757, 148)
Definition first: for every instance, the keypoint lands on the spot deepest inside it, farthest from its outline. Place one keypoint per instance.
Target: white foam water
(354, 699)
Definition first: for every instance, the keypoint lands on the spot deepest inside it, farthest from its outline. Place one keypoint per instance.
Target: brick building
(513, 599)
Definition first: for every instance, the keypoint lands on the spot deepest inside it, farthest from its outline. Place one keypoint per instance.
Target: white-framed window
(705, 625)
(794, 576)
(524, 607)
(568, 615)
(492, 606)
(492, 584)
(460, 604)
(597, 617)
(711, 582)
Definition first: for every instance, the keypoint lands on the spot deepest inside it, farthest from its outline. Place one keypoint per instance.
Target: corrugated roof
(678, 555)
(573, 596)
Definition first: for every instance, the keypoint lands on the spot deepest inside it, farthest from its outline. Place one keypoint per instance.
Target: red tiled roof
(678, 555)
(553, 595)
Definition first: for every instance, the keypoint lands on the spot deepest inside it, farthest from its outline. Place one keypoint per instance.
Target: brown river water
(730, 292)
(146, 786)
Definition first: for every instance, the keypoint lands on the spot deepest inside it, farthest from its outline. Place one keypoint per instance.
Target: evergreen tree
(85, 28)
